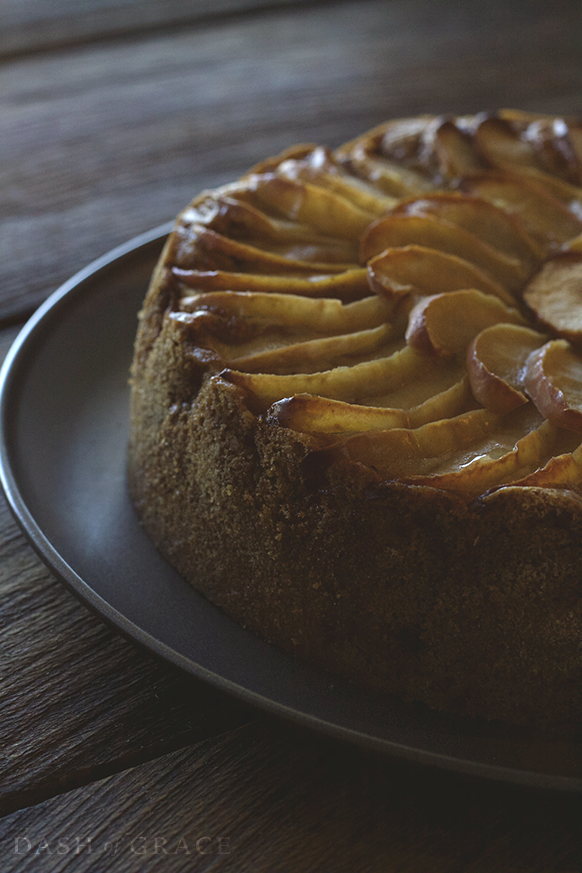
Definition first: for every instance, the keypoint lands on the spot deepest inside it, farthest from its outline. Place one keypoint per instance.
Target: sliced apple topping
(506, 146)
(453, 149)
(383, 298)
(554, 141)
(312, 414)
(484, 471)
(347, 286)
(563, 471)
(492, 225)
(323, 315)
(400, 230)
(423, 271)
(501, 145)
(445, 324)
(309, 204)
(496, 365)
(321, 168)
(341, 383)
(314, 355)
(391, 451)
(548, 220)
(198, 247)
(554, 295)
(391, 177)
(553, 380)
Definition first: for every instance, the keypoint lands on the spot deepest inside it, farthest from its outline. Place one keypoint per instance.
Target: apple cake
(356, 410)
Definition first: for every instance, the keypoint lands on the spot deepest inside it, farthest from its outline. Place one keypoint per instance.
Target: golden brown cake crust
(469, 605)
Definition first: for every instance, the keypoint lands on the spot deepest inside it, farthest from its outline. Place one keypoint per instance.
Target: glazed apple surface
(355, 293)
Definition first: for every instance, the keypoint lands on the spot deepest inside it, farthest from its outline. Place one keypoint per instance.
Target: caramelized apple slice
(486, 471)
(564, 470)
(402, 138)
(445, 324)
(203, 248)
(501, 145)
(401, 230)
(246, 223)
(555, 148)
(423, 271)
(492, 225)
(391, 177)
(320, 168)
(309, 204)
(322, 315)
(341, 383)
(555, 295)
(454, 150)
(553, 380)
(542, 215)
(388, 451)
(496, 363)
(347, 286)
(313, 355)
(506, 147)
(311, 414)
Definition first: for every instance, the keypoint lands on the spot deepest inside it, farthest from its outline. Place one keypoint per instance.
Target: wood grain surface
(267, 798)
(106, 139)
(112, 115)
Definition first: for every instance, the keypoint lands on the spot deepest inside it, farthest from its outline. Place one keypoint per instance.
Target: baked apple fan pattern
(413, 299)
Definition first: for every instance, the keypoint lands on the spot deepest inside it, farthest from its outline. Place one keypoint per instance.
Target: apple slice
(563, 470)
(341, 383)
(435, 145)
(309, 413)
(552, 140)
(320, 168)
(501, 145)
(197, 245)
(496, 362)
(419, 270)
(389, 451)
(445, 324)
(391, 177)
(454, 150)
(313, 355)
(243, 221)
(542, 215)
(486, 471)
(400, 230)
(312, 414)
(308, 204)
(507, 146)
(555, 295)
(553, 380)
(322, 315)
(492, 225)
(401, 139)
(347, 287)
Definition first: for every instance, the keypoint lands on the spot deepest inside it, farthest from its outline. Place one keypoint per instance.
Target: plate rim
(23, 349)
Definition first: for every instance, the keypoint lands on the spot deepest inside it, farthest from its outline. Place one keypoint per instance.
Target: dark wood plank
(104, 142)
(77, 700)
(270, 799)
(44, 24)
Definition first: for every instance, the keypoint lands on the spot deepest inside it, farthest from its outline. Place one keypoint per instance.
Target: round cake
(356, 410)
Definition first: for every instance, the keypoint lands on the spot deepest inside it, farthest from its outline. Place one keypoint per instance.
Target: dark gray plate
(63, 419)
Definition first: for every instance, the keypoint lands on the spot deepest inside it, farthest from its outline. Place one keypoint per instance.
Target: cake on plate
(356, 410)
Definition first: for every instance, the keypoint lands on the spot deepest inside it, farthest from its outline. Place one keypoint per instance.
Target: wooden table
(112, 114)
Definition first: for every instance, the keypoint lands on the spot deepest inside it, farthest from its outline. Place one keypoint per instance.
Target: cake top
(412, 300)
